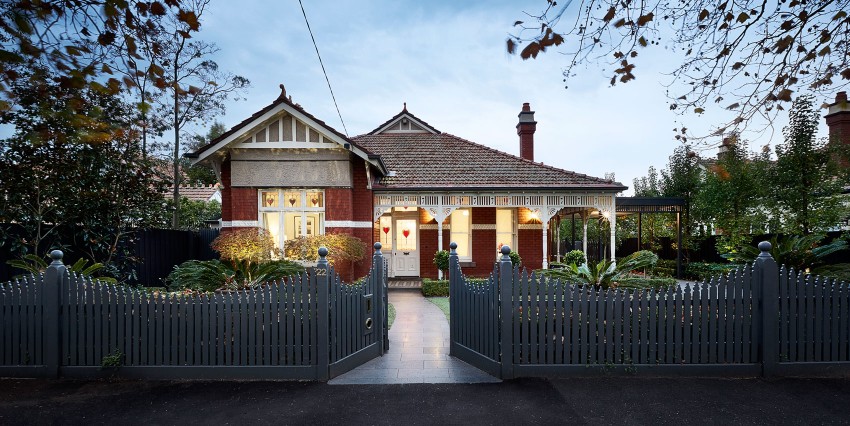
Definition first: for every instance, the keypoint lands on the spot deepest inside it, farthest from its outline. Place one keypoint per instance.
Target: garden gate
(758, 320)
(312, 326)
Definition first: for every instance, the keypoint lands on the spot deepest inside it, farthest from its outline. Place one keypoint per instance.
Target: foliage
(341, 248)
(575, 257)
(805, 180)
(253, 245)
(441, 260)
(35, 265)
(663, 268)
(645, 283)
(75, 179)
(605, 272)
(85, 44)
(794, 251)
(391, 314)
(704, 270)
(113, 360)
(194, 214)
(734, 191)
(209, 88)
(839, 271)
(435, 288)
(212, 275)
(516, 259)
(747, 57)
(202, 173)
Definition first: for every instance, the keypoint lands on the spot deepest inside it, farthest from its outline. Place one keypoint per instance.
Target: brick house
(405, 184)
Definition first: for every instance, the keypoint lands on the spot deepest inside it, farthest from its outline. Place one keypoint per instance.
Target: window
(505, 229)
(291, 213)
(461, 220)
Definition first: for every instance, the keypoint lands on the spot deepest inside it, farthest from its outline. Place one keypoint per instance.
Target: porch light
(606, 214)
(465, 212)
(534, 215)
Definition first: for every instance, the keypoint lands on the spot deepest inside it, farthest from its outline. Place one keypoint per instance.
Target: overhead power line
(323, 67)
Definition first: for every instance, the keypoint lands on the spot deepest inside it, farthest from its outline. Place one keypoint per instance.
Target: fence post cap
(506, 250)
(765, 247)
(453, 246)
(377, 246)
(57, 255)
(323, 251)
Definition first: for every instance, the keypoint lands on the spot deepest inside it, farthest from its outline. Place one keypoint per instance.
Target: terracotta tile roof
(194, 193)
(429, 161)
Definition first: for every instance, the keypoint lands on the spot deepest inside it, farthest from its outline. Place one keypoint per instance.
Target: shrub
(575, 256)
(251, 245)
(516, 260)
(839, 271)
(703, 270)
(212, 275)
(435, 288)
(341, 248)
(441, 260)
(644, 283)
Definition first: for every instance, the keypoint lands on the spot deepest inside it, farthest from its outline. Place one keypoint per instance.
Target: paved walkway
(419, 349)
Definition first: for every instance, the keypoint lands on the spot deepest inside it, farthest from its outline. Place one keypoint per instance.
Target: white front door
(405, 245)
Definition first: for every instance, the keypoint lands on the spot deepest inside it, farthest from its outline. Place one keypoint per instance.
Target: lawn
(442, 303)
(390, 315)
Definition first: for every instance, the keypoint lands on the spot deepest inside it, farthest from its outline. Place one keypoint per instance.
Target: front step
(404, 283)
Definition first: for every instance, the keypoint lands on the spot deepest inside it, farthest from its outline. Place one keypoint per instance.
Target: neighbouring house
(204, 193)
(406, 184)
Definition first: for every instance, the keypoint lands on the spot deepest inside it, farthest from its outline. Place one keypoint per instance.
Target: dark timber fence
(157, 250)
(311, 326)
(758, 320)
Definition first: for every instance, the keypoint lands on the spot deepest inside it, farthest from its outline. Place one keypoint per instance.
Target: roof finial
(282, 92)
(405, 107)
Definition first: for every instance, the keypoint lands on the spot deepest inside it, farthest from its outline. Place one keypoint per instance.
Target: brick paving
(419, 349)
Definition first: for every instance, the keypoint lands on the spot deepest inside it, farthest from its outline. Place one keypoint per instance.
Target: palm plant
(606, 272)
(794, 251)
(35, 265)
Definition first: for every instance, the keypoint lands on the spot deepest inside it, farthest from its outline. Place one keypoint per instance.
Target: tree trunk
(175, 218)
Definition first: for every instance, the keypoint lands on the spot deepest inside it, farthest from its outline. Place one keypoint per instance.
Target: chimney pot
(841, 97)
(525, 129)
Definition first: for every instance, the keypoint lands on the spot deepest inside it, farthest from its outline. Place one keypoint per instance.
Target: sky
(447, 61)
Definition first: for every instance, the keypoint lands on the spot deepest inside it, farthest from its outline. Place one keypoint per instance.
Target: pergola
(638, 205)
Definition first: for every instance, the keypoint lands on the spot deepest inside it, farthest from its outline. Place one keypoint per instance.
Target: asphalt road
(523, 401)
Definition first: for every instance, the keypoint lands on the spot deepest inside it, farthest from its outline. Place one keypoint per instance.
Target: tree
(654, 225)
(75, 180)
(806, 183)
(197, 88)
(748, 57)
(201, 174)
(733, 193)
(103, 45)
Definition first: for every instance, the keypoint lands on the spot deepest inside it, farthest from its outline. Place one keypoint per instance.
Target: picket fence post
(321, 275)
(506, 337)
(767, 272)
(378, 281)
(454, 283)
(51, 295)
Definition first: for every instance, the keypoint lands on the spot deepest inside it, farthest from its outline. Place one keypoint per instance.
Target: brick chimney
(525, 129)
(838, 120)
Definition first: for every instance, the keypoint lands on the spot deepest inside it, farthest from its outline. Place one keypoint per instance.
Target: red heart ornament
(386, 229)
(406, 233)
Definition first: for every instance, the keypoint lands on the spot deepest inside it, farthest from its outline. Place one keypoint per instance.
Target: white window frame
(282, 208)
(452, 233)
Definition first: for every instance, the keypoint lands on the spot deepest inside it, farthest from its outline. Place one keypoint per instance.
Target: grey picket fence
(757, 320)
(309, 326)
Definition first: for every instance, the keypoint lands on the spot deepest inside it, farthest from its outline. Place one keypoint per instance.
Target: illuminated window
(461, 221)
(505, 229)
(292, 213)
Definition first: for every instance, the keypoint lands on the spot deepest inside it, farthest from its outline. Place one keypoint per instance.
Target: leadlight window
(292, 213)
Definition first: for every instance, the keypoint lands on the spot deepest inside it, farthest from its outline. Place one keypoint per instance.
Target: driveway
(601, 400)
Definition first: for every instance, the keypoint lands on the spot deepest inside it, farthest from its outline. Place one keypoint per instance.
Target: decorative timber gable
(404, 122)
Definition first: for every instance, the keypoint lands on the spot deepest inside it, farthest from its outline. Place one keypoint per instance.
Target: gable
(285, 131)
(405, 122)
